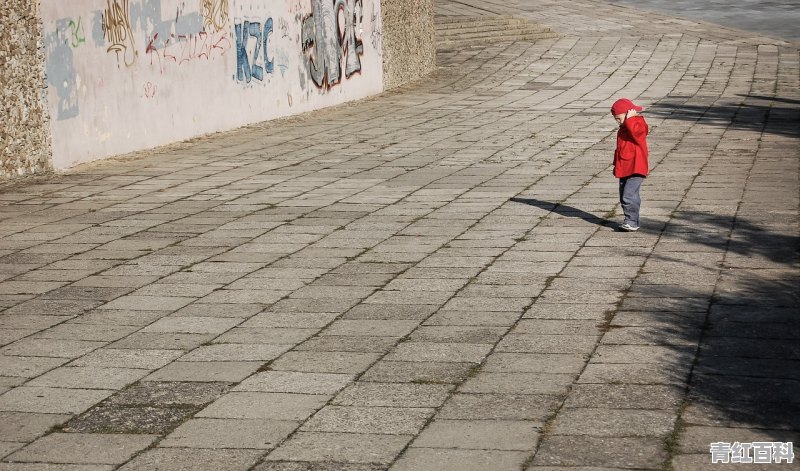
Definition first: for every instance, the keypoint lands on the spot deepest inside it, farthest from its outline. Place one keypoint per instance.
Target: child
(630, 159)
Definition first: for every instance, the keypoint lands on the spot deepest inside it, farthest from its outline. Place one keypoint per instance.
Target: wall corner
(409, 49)
(25, 143)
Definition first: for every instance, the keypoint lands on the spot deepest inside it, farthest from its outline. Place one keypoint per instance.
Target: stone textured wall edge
(25, 146)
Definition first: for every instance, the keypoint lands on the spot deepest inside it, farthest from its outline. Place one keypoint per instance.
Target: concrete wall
(408, 40)
(24, 121)
(97, 78)
(124, 75)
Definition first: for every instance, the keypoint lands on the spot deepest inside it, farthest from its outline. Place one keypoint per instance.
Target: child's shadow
(564, 210)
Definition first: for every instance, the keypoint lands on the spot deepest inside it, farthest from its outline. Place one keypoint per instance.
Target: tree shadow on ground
(775, 116)
(748, 238)
(745, 318)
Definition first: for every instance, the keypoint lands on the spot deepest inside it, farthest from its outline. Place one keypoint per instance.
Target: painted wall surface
(124, 75)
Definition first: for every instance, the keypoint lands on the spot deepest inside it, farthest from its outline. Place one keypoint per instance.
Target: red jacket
(631, 154)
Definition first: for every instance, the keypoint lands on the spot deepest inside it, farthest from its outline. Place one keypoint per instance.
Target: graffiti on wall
(327, 41)
(116, 23)
(215, 15)
(179, 49)
(252, 57)
(60, 66)
(75, 34)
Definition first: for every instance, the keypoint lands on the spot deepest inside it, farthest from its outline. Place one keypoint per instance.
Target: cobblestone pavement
(430, 279)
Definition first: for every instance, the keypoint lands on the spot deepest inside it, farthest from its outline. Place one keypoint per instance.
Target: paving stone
(393, 395)
(371, 420)
(330, 343)
(127, 358)
(518, 383)
(311, 466)
(110, 418)
(27, 426)
(9, 382)
(148, 303)
(6, 448)
(435, 298)
(612, 452)
(295, 382)
(557, 327)
(625, 396)
(235, 352)
(418, 372)
(80, 448)
(96, 332)
(535, 409)
(534, 363)
(51, 400)
(229, 433)
(586, 311)
(431, 459)
(28, 367)
(398, 312)
(345, 447)
(53, 467)
(634, 373)
(206, 371)
(325, 305)
(43, 307)
(479, 435)
(278, 336)
(188, 459)
(207, 310)
(325, 362)
(32, 322)
(366, 327)
(170, 393)
(451, 352)
(120, 317)
(472, 318)
(87, 292)
(88, 377)
(457, 334)
(528, 343)
(614, 422)
(162, 341)
(8, 336)
(192, 325)
(293, 320)
(58, 348)
(258, 405)
(487, 304)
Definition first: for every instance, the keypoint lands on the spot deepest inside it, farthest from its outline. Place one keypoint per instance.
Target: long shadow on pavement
(563, 210)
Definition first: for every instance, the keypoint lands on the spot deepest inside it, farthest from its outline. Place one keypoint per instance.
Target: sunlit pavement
(430, 279)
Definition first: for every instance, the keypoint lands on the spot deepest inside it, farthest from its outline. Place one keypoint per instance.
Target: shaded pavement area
(430, 279)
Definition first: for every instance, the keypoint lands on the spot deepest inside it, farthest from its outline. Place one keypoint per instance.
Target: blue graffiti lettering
(248, 68)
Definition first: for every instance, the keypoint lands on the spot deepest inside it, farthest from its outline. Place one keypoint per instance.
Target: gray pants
(630, 199)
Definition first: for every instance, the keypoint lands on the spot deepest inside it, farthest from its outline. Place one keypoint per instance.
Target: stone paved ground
(431, 279)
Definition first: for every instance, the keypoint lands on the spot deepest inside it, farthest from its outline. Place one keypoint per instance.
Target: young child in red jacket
(630, 159)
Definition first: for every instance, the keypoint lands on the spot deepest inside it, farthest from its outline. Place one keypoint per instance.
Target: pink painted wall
(126, 75)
